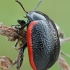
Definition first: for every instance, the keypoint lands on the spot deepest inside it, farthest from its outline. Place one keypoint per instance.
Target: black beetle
(42, 39)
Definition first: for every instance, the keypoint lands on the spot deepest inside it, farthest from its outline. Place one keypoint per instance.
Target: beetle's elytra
(43, 44)
(42, 40)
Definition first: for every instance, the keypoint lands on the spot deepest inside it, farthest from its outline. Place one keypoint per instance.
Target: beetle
(42, 39)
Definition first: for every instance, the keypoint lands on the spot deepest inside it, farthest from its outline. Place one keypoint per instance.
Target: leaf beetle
(42, 39)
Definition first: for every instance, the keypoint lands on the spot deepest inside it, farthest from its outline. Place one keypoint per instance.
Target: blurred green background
(10, 11)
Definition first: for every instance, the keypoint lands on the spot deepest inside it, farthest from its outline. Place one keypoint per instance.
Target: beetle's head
(28, 15)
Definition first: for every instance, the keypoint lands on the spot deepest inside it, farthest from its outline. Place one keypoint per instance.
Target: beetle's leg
(65, 54)
(19, 59)
(16, 44)
(21, 45)
(21, 22)
(19, 52)
(16, 27)
(20, 26)
(60, 33)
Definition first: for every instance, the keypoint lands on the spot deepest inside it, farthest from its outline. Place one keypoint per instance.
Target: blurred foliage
(10, 11)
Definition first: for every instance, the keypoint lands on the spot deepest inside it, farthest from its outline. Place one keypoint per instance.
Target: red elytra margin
(29, 43)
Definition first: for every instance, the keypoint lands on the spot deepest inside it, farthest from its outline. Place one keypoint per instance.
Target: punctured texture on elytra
(43, 44)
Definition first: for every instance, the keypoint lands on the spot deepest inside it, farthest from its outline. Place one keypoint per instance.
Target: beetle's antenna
(37, 4)
(21, 5)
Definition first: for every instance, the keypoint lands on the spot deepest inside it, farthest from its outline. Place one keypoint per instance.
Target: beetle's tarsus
(16, 27)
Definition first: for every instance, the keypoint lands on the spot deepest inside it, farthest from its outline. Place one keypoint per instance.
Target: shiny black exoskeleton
(35, 16)
(46, 45)
(32, 16)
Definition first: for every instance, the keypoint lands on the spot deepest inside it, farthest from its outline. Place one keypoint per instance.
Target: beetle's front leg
(20, 26)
